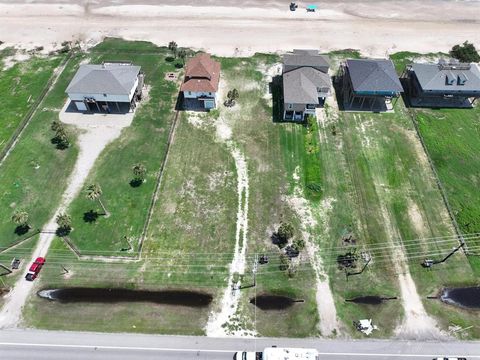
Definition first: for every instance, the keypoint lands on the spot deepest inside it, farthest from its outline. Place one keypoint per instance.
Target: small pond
(468, 297)
(106, 295)
(273, 302)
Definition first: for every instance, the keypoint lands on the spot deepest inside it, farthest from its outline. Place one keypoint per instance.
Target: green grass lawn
(380, 188)
(35, 173)
(374, 182)
(143, 142)
(21, 85)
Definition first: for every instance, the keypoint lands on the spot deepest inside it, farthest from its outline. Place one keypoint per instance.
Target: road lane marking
(133, 348)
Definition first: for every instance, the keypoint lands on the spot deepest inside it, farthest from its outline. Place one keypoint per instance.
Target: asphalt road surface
(53, 345)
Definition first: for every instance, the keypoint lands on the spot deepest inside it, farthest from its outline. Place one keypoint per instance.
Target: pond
(468, 297)
(108, 295)
(274, 302)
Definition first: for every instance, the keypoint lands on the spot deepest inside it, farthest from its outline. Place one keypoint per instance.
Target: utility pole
(254, 271)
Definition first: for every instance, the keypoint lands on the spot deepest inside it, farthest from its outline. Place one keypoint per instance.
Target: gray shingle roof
(112, 79)
(300, 85)
(373, 75)
(306, 58)
(434, 77)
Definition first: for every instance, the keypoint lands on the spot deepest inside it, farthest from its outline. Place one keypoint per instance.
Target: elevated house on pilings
(306, 83)
(200, 86)
(111, 87)
(446, 84)
(369, 85)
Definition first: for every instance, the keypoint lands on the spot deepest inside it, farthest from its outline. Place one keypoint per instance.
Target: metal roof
(300, 85)
(373, 76)
(112, 79)
(306, 58)
(447, 77)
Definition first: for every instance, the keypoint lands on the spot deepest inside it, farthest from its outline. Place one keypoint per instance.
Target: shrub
(465, 53)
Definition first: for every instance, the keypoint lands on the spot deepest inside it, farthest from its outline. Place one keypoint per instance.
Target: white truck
(278, 353)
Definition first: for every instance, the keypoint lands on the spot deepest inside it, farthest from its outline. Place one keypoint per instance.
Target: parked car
(35, 269)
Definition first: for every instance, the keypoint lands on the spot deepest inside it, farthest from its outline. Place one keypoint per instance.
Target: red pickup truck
(35, 269)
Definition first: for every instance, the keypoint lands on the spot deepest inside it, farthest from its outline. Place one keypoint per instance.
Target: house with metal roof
(200, 86)
(369, 84)
(108, 87)
(446, 84)
(306, 83)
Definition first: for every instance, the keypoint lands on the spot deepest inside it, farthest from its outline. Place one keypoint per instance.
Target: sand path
(96, 132)
(231, 296)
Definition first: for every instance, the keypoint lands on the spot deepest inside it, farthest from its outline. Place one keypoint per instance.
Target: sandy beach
(240, 28)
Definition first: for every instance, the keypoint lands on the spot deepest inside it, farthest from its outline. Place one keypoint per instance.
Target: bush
(465, 53)
(284, 262)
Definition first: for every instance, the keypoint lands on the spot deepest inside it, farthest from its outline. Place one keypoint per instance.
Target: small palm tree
(182, 54)
(64, 221)
(172, 46)
(20, 218)
(56, 125)
(139, 171)
(94, 192)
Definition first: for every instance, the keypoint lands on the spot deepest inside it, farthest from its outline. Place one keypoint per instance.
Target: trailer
(278, 353)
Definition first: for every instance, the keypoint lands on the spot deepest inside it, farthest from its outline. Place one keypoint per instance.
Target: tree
(232, 95)
(20, 218)
(465, 53)
(94, 192)
(285, 231)
(56, 125)
(64, 222)
(284, 262)
(182, 54)
(299, 244)
(61, 138)
(172, 46)
(139, 171)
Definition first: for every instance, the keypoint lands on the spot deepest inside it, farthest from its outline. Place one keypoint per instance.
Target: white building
(110, 87)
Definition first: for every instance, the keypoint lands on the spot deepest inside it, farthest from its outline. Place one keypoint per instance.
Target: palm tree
(56, 125)
(64, 221)
(20, 218)
(172, 46)
(139, 171)
(94, 191)
(182, 54)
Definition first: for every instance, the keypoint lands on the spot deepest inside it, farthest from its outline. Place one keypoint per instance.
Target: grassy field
(452, 139)
(21, 85)
(192, 232)
(372, 182)
(143, 142)
(35, 173)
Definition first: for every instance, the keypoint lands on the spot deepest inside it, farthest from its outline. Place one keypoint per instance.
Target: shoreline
(374, 26)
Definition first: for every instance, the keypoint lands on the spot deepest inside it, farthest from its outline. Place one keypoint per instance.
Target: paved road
(52, 345)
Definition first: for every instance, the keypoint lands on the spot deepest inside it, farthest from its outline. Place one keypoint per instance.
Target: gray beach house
(369, 84)
(306, 83)
(446, 84)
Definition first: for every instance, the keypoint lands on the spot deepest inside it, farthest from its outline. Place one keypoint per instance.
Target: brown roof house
(200, 86)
